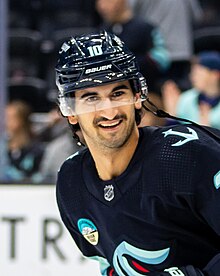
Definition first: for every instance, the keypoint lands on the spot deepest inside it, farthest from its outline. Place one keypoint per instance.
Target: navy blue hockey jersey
(162, 211)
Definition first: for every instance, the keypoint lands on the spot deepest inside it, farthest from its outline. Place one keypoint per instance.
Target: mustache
(103, 119)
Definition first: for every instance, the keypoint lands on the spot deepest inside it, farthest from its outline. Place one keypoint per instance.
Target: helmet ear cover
(139, 85)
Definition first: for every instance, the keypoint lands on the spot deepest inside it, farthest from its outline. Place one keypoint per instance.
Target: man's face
(112, 121)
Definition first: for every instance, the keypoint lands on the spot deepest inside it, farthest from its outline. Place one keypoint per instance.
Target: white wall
(33, 240)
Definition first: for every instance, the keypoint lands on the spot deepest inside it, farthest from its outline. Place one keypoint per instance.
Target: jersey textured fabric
(162, 211)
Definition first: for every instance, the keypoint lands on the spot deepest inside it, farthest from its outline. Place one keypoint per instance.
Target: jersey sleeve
(82, 244)
(207, 178)
(87, 250)
(105, 268)
(199, 175)
(207, 193)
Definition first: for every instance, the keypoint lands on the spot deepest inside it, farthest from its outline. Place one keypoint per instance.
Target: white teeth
(110, 125)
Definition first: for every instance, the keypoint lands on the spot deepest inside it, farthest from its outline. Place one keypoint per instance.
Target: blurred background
(165, 35)
(177, 44)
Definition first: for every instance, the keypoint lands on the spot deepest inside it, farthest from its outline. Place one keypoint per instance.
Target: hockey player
(141, 201)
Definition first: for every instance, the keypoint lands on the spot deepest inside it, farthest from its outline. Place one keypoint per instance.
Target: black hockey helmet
(92, 60)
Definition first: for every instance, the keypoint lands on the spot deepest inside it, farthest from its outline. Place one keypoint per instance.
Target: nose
(107, 109)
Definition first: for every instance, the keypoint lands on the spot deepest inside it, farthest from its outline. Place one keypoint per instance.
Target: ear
(138, 103)
(72, 120)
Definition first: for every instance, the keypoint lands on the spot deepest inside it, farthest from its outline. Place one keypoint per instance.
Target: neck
(111, 163)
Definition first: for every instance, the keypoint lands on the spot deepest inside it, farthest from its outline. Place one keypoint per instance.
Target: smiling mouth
(109, 125)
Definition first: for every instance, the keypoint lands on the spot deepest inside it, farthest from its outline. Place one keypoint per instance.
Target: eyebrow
(89, 94)
(123, 86)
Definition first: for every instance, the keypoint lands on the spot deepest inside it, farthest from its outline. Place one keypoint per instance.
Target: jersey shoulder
(188, 135)
(71, 166)
(182, 156)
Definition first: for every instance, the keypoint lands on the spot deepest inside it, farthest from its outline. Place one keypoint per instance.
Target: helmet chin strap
(78, 142)
(76, 136)
(162, 114)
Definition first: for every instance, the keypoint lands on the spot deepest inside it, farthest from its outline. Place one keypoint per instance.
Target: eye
(118, 95)
(92, 99)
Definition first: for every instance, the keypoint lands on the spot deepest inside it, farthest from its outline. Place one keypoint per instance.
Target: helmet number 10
(95, 50)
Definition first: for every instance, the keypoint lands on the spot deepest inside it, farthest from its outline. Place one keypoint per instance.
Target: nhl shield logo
(109, 192)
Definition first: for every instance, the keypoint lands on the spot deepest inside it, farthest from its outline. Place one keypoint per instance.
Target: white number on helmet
(95, 50)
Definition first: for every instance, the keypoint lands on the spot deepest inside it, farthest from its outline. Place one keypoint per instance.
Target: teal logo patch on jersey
(217, 180)
(187, 137)
(89, 231)
(138, 259)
